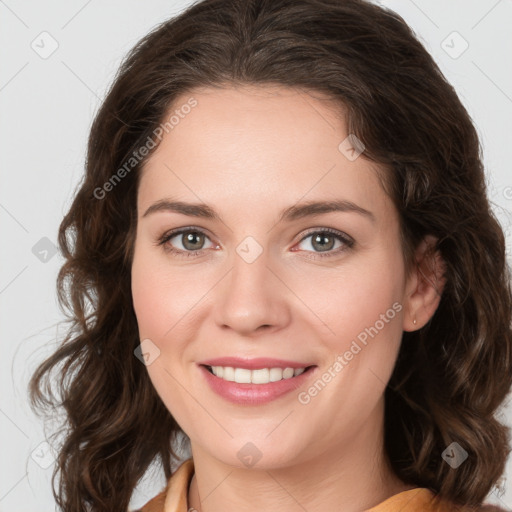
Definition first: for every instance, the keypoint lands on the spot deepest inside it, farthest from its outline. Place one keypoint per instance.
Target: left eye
(324, 241)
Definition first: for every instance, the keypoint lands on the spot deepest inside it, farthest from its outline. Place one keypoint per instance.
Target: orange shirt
(174, 497)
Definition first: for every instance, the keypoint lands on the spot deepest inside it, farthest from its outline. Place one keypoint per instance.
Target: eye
(191, 242)
(185, 241)
(327, 241)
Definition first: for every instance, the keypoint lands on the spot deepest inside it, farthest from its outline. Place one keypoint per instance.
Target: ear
(424, 286)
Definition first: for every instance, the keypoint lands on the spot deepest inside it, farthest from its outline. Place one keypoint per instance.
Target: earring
(414, 321)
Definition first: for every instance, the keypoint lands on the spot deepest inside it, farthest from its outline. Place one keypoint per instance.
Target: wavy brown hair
(451, 375)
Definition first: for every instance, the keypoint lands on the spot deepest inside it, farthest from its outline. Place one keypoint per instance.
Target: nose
(252, 298)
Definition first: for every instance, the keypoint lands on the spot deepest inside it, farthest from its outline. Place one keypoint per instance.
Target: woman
(283, 249)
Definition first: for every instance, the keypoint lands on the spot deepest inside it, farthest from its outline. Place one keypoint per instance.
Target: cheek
(363, 308)
(158, 311)
(149, 300)
(353, 297)
(376, 310)
(361, 304)
(161, 299)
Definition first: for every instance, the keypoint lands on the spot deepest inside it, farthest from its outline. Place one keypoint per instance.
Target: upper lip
(253, 364)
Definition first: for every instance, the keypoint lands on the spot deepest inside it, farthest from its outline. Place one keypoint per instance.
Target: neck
(352, 476)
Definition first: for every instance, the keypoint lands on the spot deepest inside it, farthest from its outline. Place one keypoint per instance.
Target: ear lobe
(425, 285)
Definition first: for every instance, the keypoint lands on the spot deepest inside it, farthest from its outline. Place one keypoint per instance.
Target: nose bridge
(251, 295)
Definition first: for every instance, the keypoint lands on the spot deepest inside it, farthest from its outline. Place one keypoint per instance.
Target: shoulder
(175, 493)
(425, 500)
(156, 504)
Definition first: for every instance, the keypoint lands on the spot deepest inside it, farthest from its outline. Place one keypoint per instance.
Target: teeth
(275, 374)
(242, 376)
(260, 376)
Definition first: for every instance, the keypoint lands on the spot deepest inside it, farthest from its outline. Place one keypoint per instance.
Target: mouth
(251, 382)
(256, 376)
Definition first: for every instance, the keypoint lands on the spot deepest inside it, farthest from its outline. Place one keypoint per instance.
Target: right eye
(188, 241)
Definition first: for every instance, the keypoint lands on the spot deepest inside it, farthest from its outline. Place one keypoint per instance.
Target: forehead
(252, 146)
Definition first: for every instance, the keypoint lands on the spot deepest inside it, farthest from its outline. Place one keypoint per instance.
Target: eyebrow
(291, 213)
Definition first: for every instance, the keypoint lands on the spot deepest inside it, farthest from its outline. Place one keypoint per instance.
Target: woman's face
(255, 274)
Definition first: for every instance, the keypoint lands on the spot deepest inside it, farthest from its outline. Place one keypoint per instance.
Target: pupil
(321, 238)
(193, 241)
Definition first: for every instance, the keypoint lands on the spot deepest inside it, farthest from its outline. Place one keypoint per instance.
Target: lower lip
(254, 394)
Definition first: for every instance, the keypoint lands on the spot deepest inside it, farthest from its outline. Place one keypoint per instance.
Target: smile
(255, 386)
(258, 376)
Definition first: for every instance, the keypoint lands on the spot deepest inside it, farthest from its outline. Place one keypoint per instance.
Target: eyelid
(331, 231)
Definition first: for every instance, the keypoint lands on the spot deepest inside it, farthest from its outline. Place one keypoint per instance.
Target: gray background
(47, 104)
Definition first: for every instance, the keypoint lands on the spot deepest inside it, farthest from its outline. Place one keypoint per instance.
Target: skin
(250, 152)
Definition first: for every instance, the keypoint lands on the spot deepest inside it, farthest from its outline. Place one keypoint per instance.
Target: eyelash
(345, 239)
